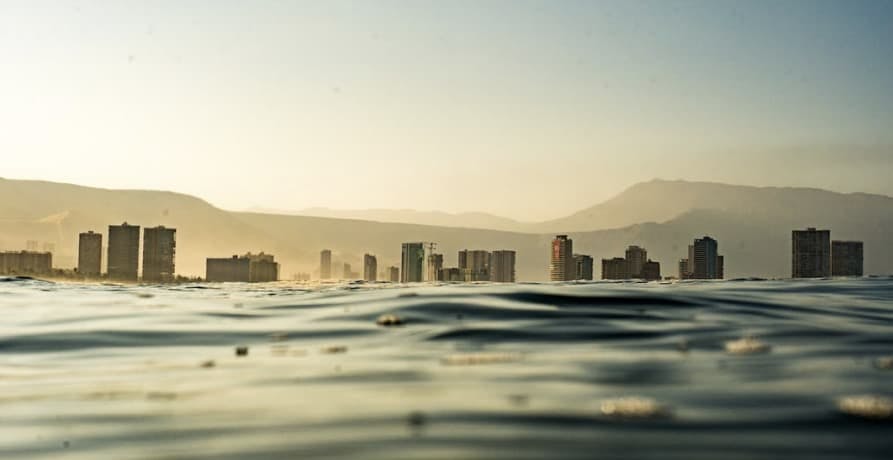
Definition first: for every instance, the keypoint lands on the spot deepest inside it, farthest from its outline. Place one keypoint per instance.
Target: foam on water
(743, 369)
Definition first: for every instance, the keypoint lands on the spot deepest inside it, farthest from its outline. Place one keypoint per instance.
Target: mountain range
(752, 225)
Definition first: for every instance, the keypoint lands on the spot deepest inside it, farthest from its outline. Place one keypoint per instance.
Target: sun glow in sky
(531, 110)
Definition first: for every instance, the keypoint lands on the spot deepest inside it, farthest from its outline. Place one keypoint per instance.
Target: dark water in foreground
(523, 371)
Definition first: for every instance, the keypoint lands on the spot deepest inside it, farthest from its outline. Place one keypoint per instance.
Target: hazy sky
(531, 110)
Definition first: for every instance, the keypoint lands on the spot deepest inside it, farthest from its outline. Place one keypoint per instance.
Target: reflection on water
(692, 370)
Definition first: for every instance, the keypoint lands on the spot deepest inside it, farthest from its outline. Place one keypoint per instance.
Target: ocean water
(731, 370)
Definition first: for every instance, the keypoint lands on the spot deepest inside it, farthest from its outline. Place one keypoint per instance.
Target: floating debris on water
(635, 408)
(389, 320)
(242, 351)
(471, 359)
(867, 406)
(207, 364)
(144, 295)
(416, 419)
(747, 346)
(885, 363)
(334, 349)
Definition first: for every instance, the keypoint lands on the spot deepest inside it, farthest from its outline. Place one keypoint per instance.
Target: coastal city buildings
(25, 263)
(475, 265)
(394, 274)
(370, 267)
(90, 254)
(846, 258)
(583, 264)
(325, 264)
(703, 262)
(651, 271)
(451, 274)
(636, 265)
(159, 254)
(562, 267)
(615, 269)
(810, 253)
(636, 258)
(123, 252)
(248, 268)
(435, 264)
(412, 262)
(502, 266)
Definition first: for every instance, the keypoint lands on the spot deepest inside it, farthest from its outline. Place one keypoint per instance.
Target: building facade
(26, 263)
(502, 266)
(248, 268)
(325, 264)
(370, 268)
(123, 252)
(475, 264)
(435, 263)
(846, 258)
(650, 271)
(90, 254)
(810, 253)
(561, 266)
(615, 269)
(159, 254)
(583, 267)
(451, 274)
(636, 257)
(412, 262)
(394, 274)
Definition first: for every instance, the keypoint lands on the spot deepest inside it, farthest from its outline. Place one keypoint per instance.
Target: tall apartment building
(25, 263)
(650, 271)
(370, 267)
(435, 263)
(123, 252)
(636, 258)
(451, 274)
(810, 253)
(90, 254)
(159, 254)
(475, 265)
(615, 269)
(583, 267)
(705, 259)
(412, 262)
(394, 274)
(248, 268)
(325, 264)
(502, 266)
(562, 267)
(846, 258)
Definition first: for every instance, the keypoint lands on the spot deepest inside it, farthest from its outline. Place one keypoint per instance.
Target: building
(810, 253)
(159, 254)
(615, 269)
(703, 262)
(249, 268)
(451, 274)
(846, 258)
(435, 263)
(412, 262)
(123, 252)
(394, 274)
(90, 254)
(562, 267)
(583, 264)
(325, 264)
(370, 267)
(475, 264)
(25, 263)
(636, 258)
(502, 266)
(651, 271)
(346, 273)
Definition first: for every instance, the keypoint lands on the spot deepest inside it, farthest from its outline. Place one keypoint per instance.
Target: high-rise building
(159, 254)
(846, 258)
(370, 267)
(684, 270)
(325, 264)
(651, 271)
(123, 252)
(704, 261)
(435, 263)
(450, 274)
(394, 274)
(615, 269)
(562, 267)
(583, 267)
(347, 273)
(25, 263)
(636, 258)
(90, 254)
(412, 262)
(475, 265)
(249, 268)
(502, 266)
(810, 253)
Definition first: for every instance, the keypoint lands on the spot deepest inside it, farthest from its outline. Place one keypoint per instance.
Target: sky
(526, 109)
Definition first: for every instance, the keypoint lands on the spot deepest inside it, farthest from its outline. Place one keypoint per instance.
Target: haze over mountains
(752, 224)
